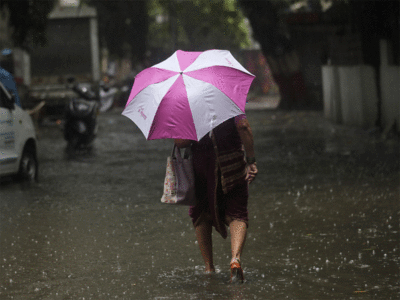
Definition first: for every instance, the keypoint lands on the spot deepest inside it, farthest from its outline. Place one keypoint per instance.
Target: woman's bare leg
(238, 231)
(204, 238)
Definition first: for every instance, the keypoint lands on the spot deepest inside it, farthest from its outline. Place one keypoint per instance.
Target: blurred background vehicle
(18, 144)
(80, 127)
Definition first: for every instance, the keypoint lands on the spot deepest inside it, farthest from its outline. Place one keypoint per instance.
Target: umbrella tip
(181, 73)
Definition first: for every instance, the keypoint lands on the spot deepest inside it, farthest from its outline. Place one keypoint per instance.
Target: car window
(4, 95)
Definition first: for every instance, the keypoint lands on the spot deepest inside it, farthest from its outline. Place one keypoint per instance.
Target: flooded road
(324, 219)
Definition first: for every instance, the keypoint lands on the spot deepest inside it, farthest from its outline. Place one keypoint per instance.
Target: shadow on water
(80, 154)
(324, 220)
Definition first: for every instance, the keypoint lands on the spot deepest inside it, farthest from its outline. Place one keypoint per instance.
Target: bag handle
(173, 151)
(188, 152)
(186, 155)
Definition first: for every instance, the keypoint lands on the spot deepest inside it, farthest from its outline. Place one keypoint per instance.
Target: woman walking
(223, 170)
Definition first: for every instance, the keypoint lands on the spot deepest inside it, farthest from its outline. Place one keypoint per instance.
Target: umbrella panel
(210, 107)
(142, 109)
(233, 83)
(186, 58)
(148, 77)
(173, 118)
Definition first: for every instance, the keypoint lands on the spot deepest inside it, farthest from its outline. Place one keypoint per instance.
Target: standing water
(324, 219)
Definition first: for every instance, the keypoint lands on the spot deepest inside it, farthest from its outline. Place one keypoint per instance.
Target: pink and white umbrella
(188, 94)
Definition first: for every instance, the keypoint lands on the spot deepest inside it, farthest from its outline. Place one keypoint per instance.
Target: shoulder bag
(179, 185)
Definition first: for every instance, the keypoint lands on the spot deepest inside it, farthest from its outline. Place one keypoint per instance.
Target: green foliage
(196, 25)
(159, 35)
(28, 18)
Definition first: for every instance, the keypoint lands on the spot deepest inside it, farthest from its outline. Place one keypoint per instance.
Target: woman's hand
(246, 136)
(251, 172)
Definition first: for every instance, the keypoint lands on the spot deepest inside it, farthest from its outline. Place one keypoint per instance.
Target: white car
(18, 145)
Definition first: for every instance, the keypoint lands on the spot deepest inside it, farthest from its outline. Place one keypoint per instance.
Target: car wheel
(28, 168)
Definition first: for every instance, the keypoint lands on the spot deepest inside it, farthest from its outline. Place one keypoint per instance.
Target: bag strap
(173, 151)
(186, 155)
(188, 152)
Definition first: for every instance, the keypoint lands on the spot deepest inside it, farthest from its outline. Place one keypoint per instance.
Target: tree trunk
(289, 78)
(277, 48)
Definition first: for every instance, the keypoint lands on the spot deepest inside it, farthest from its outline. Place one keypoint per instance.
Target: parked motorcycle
(80, 126)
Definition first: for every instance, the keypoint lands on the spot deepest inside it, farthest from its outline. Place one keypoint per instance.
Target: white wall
(331, 94)
(351, 98)
(350, 95)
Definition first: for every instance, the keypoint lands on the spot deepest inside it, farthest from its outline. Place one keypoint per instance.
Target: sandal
(236, 272)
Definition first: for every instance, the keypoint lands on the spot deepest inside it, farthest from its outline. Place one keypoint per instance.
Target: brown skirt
(212, 201)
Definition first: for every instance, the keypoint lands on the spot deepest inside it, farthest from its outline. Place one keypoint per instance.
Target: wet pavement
(324, 219)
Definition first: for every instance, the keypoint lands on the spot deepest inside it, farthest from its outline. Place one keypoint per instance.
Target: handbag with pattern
(179, 179)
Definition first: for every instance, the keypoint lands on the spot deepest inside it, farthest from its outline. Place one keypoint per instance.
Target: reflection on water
(324, 220)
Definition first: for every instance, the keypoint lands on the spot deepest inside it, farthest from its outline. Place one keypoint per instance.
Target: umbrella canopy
(188, 94)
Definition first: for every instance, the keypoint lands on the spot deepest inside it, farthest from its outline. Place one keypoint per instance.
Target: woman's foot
(209, 269)
(236, 271)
